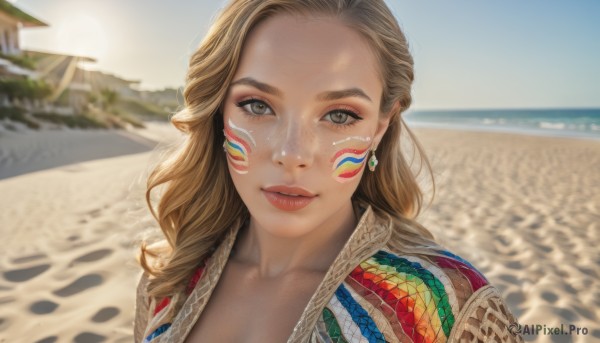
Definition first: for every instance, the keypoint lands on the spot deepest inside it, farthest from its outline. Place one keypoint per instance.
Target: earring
(224, 145)
(373, 161)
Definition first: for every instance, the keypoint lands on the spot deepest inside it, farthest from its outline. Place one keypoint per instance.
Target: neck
(273, 256)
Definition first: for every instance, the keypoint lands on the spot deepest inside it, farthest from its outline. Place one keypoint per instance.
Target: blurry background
(469, 54)
(506, 104)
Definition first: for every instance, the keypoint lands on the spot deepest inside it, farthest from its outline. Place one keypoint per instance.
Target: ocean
(574, 123)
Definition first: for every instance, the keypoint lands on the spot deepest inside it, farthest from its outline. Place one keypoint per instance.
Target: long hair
(199, 202)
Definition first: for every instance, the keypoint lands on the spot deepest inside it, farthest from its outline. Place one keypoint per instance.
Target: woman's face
(300, 118)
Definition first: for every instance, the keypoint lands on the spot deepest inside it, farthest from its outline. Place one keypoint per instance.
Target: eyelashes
(337, 117)
(344, 114)
(243, 104)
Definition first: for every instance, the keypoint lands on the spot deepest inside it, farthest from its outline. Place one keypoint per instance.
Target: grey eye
(339, 117)
(254, 107)
(258, 107)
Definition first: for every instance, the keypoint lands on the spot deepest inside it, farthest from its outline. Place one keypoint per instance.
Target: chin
(284, 224)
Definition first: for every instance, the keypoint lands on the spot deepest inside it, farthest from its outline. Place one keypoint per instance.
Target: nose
(293, 148)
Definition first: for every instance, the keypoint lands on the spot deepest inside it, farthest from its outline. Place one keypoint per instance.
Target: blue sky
(468, 53)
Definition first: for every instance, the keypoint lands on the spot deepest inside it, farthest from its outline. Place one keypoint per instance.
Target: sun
(82, 35)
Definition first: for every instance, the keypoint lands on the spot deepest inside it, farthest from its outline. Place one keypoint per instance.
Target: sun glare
(82, 35)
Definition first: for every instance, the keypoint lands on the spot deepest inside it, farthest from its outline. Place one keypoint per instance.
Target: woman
(274, 231)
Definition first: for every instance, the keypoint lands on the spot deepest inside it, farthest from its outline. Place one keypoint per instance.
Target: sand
(522, 209)
(525, 210)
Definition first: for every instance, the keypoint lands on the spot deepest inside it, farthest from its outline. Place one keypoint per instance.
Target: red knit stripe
(401, 306)
(475, 279)
(162, 305)
(194, 280)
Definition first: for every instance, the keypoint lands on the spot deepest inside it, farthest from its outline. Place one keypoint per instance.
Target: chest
(247, 309)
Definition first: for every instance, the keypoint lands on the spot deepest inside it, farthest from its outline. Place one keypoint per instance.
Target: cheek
(238, 145)
(349, 158)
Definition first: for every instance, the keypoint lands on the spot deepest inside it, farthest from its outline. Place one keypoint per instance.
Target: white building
(12, 19)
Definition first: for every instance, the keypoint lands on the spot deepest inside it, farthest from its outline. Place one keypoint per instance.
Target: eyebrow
(344, 93)
(324, 96)
(248, 81)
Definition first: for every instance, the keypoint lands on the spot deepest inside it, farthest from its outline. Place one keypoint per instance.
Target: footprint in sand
(83, 283)
(544, 248)
(94, 255)
(25, 259)
(24, 274)
(597, 299)
(503, 241)
(515, 265)
(566, 314)
(587, 271)
(95, 213)
(515, 219)
(510, 279)
(49, 339)
(105, 314)
(73, 238)
(89, 337)
(43, 307)
(550, 297)
(570, 289)
(3, 324)
(585, 312)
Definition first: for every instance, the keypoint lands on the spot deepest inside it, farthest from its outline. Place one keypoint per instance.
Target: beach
(523, 209)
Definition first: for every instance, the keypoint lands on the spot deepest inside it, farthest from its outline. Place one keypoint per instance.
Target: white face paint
(243, 131)
(358, 138)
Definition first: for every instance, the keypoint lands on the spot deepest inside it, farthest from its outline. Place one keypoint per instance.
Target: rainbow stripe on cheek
(347, 163)
(237, 151)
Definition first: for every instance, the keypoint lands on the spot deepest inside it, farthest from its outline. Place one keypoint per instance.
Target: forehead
(318, 53)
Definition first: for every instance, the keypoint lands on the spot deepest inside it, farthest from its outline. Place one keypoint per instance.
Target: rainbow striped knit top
(388, 298)
(391, 298)
(383, 296)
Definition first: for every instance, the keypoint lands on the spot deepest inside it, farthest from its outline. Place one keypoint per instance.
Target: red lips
(288, 198)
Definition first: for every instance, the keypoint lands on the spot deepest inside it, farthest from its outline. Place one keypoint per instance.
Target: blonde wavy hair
(200, 204)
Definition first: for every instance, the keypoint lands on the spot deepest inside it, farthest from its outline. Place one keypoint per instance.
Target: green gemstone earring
(373, 161)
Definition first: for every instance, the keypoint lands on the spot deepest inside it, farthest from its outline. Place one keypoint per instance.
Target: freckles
(238, 146)
(349, 161)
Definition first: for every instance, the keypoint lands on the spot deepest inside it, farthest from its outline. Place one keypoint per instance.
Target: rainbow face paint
(348, 162)
(237, 147)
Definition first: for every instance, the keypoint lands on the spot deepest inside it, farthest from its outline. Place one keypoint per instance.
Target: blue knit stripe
(361, 317)
(160, 330)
